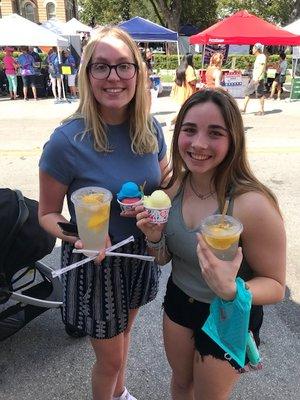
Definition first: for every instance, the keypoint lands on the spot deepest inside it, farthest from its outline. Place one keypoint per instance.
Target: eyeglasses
(102, 71)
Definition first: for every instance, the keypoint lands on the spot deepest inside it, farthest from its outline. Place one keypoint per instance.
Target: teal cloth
(228, 323)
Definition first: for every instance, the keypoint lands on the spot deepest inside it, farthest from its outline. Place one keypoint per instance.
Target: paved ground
(42, 363)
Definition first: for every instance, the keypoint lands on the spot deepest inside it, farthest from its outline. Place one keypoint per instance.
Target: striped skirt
(97, 298)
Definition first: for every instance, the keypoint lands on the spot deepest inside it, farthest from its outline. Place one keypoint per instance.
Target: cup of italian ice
(158, 205)
(129, 196)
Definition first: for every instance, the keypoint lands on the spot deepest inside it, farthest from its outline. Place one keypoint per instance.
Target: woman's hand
(129, 214)
(100, 257)
(153, 232)
(219, 275)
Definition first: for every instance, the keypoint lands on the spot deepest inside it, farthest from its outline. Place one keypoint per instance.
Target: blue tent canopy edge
(146, 31)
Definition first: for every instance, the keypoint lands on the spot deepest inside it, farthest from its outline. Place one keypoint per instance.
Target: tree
(275, 11)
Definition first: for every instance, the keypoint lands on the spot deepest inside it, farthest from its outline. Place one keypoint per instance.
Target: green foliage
(200, 13)
(168, 62)
(275, 11)
(114, 11)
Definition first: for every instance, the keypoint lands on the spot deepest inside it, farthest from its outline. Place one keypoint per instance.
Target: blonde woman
(209, 165)
(213, 74)
(110, 139)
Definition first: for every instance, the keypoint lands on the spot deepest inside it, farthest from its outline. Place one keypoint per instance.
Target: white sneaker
(125, 396)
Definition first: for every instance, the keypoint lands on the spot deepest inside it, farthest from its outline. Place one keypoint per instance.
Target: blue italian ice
(129, 190)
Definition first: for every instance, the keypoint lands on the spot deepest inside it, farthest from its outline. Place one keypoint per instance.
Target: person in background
(111, 139)
(257, 83)
(185, 82)
(26, 63)
(37, 59)
(70, 60)
(279, 77)
(11, 66)
(149, 60)
(210, 166)
(214, 71)
(54, 73)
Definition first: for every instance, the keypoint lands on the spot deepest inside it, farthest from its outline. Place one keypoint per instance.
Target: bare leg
(109, 359)
(34, 92)
(247, 98)
(279, 90)
(274, 84)
(262, 104)
(179, 347)
(120, 385)
(53, 85)
(25, 90)
(213, 379)
(108, 374)
(58, 80)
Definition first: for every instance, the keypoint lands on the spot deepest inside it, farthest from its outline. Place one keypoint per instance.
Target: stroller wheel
(74, 332)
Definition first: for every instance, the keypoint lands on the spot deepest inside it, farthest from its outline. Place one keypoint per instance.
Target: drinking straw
(110, 253)
(225, 208)
(88, 259)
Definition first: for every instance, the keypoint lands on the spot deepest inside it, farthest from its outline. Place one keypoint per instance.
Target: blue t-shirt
(74, 162)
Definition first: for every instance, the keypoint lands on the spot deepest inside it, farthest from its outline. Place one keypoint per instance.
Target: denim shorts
(29, 80)
(192, 314)
(258, 88)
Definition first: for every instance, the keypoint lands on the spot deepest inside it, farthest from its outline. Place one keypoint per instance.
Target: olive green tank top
(182, 243)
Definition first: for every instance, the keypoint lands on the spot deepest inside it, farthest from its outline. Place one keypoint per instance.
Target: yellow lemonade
(92, 210)
(222, 235)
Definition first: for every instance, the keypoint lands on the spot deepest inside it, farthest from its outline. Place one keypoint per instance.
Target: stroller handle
(35, 302)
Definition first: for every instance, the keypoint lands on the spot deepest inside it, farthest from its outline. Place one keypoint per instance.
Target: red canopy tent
(245, 28)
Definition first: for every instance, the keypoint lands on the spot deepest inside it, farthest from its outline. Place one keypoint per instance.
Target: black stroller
(27, 287)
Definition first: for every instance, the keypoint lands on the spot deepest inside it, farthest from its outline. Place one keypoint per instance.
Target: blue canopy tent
(143, 30)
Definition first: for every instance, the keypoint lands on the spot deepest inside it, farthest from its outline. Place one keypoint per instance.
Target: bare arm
(51, 200)
(165, 171)
(264, 246)
(263, 241)
(217, 77)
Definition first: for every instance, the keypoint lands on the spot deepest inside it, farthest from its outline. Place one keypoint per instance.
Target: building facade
(40, 10)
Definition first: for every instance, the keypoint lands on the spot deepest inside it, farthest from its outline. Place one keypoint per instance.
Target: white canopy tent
(74, 26)
(18, 31)
(294, 27)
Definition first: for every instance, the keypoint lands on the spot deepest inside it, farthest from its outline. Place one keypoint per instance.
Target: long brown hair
(234, 171)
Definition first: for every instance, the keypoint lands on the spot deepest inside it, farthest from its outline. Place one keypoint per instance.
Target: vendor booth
(244, 28)
(18, 31)
(143, 30)
(294, 27)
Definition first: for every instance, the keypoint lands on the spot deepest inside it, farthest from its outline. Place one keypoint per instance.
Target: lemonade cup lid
(235, 226)
(78, 194)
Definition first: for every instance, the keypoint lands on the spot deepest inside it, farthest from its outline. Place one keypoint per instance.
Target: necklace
(200, 195)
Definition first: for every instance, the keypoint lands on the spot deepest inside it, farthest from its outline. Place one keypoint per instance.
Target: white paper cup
(129, 207)
(158, 215)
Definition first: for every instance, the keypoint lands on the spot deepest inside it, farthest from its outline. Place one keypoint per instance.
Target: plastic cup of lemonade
(222, 234)
(92, 208)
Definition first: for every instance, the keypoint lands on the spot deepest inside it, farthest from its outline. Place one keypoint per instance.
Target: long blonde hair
(234, 171)
(143, 140)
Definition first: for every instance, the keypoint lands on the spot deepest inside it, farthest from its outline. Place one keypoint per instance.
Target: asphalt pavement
(41, 362)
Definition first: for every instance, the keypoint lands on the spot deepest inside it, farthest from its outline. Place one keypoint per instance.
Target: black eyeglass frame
(115, 66)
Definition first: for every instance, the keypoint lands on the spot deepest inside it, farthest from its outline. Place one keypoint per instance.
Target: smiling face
(113, 94)
(203, 141)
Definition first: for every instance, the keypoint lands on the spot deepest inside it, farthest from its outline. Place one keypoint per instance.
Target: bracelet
(156, 245)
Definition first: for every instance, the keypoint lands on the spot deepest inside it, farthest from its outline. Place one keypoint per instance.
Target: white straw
(140, 257)
(86, 260)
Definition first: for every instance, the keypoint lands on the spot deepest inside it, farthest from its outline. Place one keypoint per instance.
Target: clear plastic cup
(92, 208)
(222, 235)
